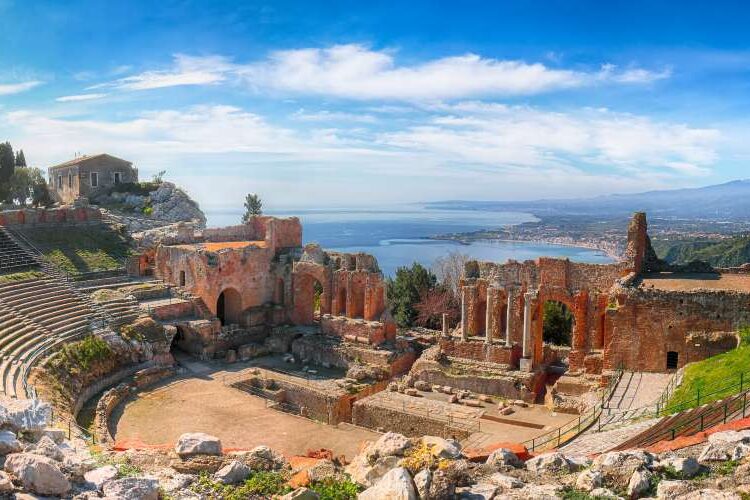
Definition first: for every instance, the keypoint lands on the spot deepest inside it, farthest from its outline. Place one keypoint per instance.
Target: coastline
(616, 256)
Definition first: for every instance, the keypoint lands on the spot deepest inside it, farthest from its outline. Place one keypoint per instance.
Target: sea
(400, 236)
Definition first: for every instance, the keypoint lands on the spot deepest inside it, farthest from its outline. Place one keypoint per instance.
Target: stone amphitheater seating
(36, 316)
(12, 256)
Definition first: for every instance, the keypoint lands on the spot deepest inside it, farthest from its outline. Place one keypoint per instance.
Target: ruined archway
(229, 306)
(558, 323)
(341, 302)
(311, 296)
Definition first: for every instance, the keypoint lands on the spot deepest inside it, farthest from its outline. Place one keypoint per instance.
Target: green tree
(406, 290)
(253, 207)
(7, 167)
(40, 195)
(20, 186)
(558, 323)
(20, 159)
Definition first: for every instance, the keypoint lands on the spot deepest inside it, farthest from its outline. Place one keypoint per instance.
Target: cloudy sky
(373, 103)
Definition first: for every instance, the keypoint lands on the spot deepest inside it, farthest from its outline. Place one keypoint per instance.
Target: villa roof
(85, 158)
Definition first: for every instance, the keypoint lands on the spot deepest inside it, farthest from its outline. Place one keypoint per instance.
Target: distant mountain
(731, 252)
(729, 201)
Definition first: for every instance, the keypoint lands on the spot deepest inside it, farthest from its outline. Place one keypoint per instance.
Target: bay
(400, 235)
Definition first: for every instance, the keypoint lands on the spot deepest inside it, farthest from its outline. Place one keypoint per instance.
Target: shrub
(336, 489)
(260, 484)
(78, 357)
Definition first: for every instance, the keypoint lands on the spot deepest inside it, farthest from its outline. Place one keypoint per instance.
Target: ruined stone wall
(644, 324)
(50, 216)
(478, 350)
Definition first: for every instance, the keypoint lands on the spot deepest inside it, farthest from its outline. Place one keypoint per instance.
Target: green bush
(260, 484)
(336, 489)
(406, 290)
(78, 357)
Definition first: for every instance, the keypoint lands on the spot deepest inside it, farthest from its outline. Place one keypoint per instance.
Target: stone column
(445, 325)
(509, 314)
(464, 314)
(528, 298)
(489, 313)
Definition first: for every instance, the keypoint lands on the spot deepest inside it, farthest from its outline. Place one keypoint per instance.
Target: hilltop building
(86, 175)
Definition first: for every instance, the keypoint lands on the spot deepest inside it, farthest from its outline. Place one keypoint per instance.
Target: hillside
(728, 201)
(732, 252)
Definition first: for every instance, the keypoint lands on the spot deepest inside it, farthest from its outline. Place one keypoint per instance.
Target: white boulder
(503, 457)
(395, 485)
(197, 443)
(97, 477)
(9, 443)
(233, 473)
(132, 488)
(37, 473)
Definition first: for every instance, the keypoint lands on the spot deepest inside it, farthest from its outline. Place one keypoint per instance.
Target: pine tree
(253, 207)
(20, 159)
(7, 162)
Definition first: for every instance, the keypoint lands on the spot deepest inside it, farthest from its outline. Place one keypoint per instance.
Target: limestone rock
(442, 448)
(97, 477)
(639, 483)
(720, 451)
(232, 473)
(172, 204)
(589, 480)
(324, 469)
(262, 458)
(366, 474)
(604, 493)
(423, 386)
(395, 485)
(390, 443)
(672, 489)
(56, 435)
(730, 437)
(132, 488)
(548, 462)
(618, 467)
(6, 485)
(479, 491)
(197, 464)
(442, 486)
(197, 443)
(685, 467)
(711, 494)
(505, 482)
(535, 492)
(422, 481)
(301, 494)
(48, 448)
(8, 443)
(503, 457)
(37, 473)
(27, 415)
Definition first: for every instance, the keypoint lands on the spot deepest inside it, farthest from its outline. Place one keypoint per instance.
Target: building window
(94, 179)
(118, 178)
(673, 359)
(182, 278)
(70, 181)
(59, 182)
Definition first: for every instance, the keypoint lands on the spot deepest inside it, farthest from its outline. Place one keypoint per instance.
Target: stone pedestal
(525, 365)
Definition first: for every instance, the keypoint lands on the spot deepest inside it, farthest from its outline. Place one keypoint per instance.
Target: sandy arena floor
(200, 402)
(693, 281)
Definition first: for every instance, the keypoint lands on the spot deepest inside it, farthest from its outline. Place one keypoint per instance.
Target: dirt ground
(200, 402)
(693, 281)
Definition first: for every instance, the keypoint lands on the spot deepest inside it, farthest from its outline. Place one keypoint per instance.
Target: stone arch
(341, 301)
(575, 303)
(305, 280)
(229, 306)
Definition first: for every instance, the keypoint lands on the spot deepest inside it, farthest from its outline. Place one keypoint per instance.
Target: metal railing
(710, 415)
(741, 382)
(566, 432)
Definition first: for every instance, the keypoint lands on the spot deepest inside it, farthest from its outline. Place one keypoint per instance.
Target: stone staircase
(121, 311)
(13, 257)
(36, 317)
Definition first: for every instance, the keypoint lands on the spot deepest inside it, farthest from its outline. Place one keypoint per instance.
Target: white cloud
(355, 72)
(80, 97)
(17, 88)
(186, 70)
(523, 137)
(333, 116)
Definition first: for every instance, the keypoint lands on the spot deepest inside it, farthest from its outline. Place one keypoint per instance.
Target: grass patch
(714, 378)
(20, 276)
(336, 489)
(260, 484)
(78, 357)
(79, 250)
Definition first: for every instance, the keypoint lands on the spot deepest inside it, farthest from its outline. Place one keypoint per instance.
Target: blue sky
(374, 103)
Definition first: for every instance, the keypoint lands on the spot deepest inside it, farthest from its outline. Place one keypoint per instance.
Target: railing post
(701, 423)
(742, 377)
(532, 444)
(725, 413)
(698, 398)
(744, 404)
(559, 435)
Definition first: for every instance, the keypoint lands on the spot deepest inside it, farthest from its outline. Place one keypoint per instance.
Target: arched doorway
(342, 301)
(229, 307)
(558, 324)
